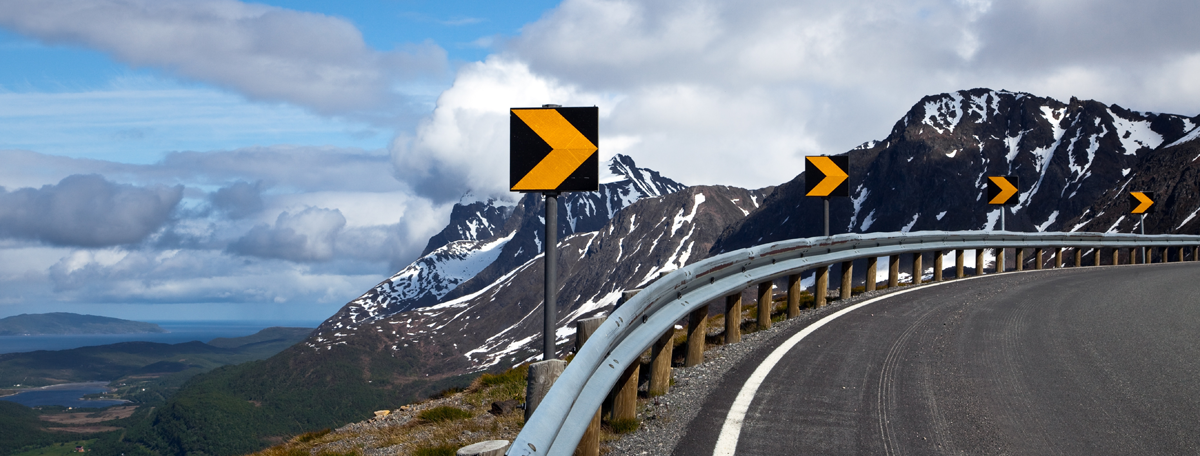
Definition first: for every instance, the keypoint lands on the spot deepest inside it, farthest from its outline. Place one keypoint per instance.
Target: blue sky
(220, 159)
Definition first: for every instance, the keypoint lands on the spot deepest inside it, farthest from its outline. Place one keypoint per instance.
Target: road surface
(1071, 361)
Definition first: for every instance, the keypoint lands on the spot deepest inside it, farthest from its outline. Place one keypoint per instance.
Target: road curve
(1071, 361)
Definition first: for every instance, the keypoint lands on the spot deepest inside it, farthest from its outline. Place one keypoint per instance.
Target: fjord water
(66, 395)
(179, 332)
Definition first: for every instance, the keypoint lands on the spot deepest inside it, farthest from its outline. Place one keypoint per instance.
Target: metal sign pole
(1002, 211)
(1144, 233)
(551, 268)
(826, 215)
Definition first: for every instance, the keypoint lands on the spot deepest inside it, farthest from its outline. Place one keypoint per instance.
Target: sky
(227, 160)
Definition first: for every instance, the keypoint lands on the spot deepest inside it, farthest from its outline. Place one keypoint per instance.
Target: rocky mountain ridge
(1073, 160)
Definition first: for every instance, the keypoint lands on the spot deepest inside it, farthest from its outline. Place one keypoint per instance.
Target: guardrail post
(937, 265)
(1098, 256)
(589, 444)
(1196, 253)
(822, 289)
(697, 328)
(625, 399)
(1038, 260)
(959, 272)
(1020, 259)
(765, 303)
(1180, 254)
(917, 271)
(847, 278)
(660, 364)
(999, 259)
(893, 271)
(872, 264)
(978, 262)
(793, 296)
(1078, 257)
(1116, 256)
(1058, 257)
(733, 318)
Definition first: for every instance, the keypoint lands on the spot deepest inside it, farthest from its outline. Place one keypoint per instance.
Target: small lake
(66, 395)
(180, 332)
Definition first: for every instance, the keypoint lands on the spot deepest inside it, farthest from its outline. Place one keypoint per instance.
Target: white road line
(732, 429)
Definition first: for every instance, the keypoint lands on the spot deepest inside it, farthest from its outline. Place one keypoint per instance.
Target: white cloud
(263, 52)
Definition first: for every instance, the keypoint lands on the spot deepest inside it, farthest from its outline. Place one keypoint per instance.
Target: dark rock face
(500, 323)
(470, 222)
(931, 172)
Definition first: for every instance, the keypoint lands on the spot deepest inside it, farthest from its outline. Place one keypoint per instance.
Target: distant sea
(180, 331)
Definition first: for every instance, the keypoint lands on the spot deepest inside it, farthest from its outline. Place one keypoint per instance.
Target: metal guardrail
(563, 415)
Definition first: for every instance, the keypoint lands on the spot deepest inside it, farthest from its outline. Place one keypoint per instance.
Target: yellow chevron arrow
(1144, 202)
(569, 149)
(834, 176)
(1007, 190)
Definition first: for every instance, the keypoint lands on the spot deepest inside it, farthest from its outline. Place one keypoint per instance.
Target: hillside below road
(1095, 360)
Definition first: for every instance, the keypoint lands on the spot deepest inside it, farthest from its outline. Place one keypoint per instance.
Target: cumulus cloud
(263, 52)
(239, 200)
(306, 236)
(87, 211)
(684, 85)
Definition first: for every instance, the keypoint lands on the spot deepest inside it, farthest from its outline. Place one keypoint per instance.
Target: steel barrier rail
(563, 415)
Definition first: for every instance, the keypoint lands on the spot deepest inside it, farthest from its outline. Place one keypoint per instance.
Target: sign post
(1142, 203)
(553, 149)
(1002, 190)
(826, 177)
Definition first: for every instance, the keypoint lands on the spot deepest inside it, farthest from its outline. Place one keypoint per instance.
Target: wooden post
(822, 287)
(542, 375)
(589, 444)
(893, 271)
(999, 259)
(959, 270)
(625, 399)
(1020, 258)
(660, 364)
(847, 278)
(1058, 257)
(697, 328)
(584, 329)
(978, 262)
(1097, 256)
(793, 296)
(872, 264)
(1181, 254)
(1116, 256)
(765, 304)
(917, 271)
(733, 318)
(937, 266)
(1196, 253)
(1039, 260)
(1078, 257)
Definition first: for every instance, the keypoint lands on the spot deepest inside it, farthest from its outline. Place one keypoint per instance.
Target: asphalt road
(1081, 361)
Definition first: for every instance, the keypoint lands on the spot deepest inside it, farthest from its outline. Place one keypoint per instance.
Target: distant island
(64, 323)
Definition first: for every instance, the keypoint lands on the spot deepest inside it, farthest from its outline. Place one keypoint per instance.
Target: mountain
(63, 323)
(486, 240)
(1074, 161)
(500, 323)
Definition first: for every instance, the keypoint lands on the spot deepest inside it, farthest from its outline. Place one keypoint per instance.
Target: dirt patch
(112, 413)
(84, 429)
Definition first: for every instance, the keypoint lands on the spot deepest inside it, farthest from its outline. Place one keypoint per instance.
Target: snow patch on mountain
(1135, 134)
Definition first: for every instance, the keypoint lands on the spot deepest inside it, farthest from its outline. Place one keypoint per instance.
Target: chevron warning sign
(554, 149)
(826, 176)
(1003, 190)
(1141, 202)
